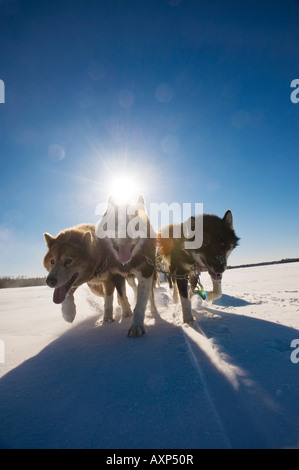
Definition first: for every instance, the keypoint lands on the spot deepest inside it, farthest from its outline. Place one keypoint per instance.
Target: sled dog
(219, 239)
(131, 248)
(77, 256)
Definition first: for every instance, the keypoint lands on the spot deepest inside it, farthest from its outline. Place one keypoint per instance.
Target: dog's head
(67, 261)
(219, 240)
(124, 227)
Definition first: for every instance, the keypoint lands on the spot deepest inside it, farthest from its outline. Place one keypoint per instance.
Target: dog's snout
(219, 264)
(220, 260)
(51, 280)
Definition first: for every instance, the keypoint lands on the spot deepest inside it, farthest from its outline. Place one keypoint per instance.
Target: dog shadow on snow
(95, 388)
(231, 301)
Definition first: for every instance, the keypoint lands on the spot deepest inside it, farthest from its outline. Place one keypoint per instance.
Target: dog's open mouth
(61, 292)
(202, 268)
(216, 276)
(124, 251)
(213, 274)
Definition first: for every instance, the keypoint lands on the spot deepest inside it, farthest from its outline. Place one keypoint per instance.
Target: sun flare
(123, 189)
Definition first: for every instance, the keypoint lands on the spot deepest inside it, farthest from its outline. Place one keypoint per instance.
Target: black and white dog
(130, 243)
(219, 239)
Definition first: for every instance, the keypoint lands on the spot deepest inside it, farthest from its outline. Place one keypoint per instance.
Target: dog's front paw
(135, 331)
(127, 313)
(69, 316)
(68, 309)
(188, 319)
(211, 295)
(108, 320)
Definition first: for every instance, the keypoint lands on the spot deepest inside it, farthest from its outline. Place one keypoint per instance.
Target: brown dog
(219, 239)
(77, 256)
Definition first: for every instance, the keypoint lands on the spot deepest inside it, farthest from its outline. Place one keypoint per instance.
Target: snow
(226, 382)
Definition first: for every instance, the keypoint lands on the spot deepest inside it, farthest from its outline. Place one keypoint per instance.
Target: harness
(198, 290)
(102, 267)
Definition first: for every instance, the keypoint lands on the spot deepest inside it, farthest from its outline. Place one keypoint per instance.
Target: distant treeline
(21, 281)
(265, 263)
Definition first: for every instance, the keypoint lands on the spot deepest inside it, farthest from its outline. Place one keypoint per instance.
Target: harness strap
(102, 267)
(167, 273)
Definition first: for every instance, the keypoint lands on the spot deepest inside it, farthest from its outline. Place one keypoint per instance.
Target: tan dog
(77, 256)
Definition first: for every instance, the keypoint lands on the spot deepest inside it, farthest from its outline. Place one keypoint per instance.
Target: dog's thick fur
(77, 256)
(131, 258)
(219, 239)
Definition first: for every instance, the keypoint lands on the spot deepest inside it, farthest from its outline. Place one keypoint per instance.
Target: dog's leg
(125, 306)
(123, 299)
(156, 279)
(216, 293)
(132, 284)
(152, 297)
(68, 308)
(185, 301)
(144, 289)
(175, 294)
(193, 283)
(120, 283)
(108, 301)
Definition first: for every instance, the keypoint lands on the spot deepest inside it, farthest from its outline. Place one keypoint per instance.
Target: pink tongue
(124, 253)
(59, 294)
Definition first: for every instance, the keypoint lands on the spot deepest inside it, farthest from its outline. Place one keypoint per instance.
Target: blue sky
(190, 97)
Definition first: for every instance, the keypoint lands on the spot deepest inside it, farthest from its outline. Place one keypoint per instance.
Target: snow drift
(228, 381)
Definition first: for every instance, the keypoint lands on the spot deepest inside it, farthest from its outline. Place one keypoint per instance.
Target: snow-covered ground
(226, 382)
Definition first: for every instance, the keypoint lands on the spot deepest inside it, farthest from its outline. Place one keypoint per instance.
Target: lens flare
(123, 189)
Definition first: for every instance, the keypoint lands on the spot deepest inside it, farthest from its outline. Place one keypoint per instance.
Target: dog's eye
(220, 242)
(52, 261)
(68, 262)
(206, 239)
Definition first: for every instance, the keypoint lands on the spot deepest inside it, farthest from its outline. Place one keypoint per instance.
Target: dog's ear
(140, 200)
(110, 200)
(49, 239)
(86, 239)
(228, 219)
(192, 223)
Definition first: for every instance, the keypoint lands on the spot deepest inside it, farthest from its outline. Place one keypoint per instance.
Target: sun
(123, 189)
